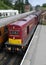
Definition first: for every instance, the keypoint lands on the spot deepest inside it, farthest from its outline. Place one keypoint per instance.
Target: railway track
(15, 60)
(19, 58)
(1, 56)
(10, 59)
(5, 59)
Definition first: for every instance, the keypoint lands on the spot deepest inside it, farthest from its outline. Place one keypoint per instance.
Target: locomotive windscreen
(16, 32)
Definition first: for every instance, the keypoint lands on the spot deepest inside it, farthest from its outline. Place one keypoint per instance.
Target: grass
(43, 8)
(43, 23)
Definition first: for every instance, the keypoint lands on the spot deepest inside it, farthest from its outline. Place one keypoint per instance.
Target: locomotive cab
(15, 35)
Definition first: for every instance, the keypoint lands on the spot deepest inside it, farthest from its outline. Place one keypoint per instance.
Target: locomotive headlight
(9, 48)
(13, 37)
(13, 27)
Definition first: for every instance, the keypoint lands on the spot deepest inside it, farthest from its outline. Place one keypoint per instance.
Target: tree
(31, 7)
(7, 2)
(44, 5)
(37, 7)
(19, 5)
(26, 2)
(3, 5)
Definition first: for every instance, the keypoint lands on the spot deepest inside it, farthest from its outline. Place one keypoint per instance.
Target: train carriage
(38, 14)
(3, 35)
(20, 32)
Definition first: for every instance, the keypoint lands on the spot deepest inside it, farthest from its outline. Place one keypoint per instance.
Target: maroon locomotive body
(20, 32)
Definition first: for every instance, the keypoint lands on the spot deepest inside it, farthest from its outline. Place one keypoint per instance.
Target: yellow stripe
(15, 41)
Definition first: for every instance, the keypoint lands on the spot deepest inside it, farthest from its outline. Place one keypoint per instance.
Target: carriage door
(27, 29)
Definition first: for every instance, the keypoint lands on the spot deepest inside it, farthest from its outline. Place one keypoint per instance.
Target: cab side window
(27, 29)
(0, 33)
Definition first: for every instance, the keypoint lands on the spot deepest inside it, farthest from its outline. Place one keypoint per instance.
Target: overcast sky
(37, 2)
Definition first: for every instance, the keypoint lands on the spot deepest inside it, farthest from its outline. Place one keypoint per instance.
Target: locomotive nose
(15, 37)
(15, 41)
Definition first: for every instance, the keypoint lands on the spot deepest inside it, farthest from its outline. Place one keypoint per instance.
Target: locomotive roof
(23, 21)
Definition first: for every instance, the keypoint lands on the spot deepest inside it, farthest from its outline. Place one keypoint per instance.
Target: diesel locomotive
(3, 26)
(19, 33)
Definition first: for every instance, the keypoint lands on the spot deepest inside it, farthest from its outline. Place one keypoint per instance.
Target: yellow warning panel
(15, 41)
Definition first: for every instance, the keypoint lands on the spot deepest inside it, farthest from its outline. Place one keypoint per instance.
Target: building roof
(8, 11)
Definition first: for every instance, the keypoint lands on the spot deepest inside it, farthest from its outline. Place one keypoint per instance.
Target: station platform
(36, 52)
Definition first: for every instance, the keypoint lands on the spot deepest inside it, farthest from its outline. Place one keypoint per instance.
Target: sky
(36, 2)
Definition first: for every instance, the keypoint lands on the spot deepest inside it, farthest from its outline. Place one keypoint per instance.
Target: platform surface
(36, 53)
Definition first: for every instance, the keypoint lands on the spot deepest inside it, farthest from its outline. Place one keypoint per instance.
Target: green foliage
(37, 7)
(4, 6)
(26, 2)
(7, 2)
(44, 5)
(31, 8)
(19, 5)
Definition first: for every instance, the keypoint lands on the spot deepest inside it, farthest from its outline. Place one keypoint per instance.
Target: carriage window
(0, 33)
(6, 14)
(5, 29)
(14, 32)
(27, 29)
(15, 13)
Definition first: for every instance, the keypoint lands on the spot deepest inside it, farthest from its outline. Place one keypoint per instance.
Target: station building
(26, 7)
(4, 13)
